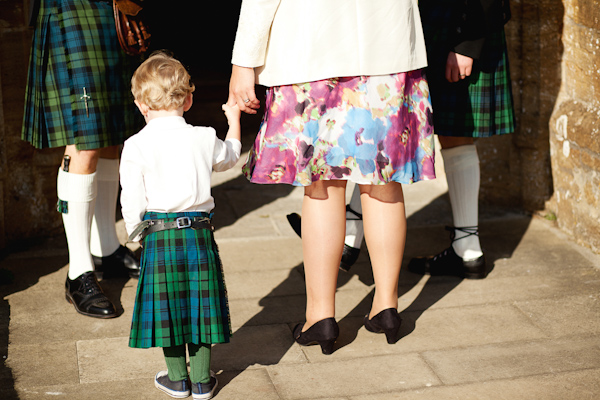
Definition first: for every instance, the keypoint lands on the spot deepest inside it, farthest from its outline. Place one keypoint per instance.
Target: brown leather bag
(133, 33)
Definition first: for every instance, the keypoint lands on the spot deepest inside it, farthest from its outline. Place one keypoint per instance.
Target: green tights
(199, 362)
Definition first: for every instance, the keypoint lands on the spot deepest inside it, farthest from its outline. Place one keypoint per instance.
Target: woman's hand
(241, 90)
(458, 67)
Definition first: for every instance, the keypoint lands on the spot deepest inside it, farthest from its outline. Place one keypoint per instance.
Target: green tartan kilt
(480, 105)
(181, 296)
(75, 48)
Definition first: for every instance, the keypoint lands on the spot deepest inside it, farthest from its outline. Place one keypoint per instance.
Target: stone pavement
(528, 331)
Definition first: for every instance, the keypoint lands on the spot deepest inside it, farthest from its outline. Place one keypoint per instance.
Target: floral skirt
(366, 129)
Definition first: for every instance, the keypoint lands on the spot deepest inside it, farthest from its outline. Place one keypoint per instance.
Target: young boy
(166, 202)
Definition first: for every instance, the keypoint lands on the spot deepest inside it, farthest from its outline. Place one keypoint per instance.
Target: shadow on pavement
(501, 232)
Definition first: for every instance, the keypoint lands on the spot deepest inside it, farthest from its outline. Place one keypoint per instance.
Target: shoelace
(469, 230)
(90, 287)
(356, 214)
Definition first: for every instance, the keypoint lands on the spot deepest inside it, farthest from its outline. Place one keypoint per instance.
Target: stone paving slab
(360, 376)
(514, 360)
(557, 386)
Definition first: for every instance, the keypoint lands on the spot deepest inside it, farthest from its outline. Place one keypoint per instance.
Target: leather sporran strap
(133, 33)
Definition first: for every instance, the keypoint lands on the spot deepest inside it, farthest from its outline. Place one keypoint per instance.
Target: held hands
(233, 114)
(458, 67)
(241, 90)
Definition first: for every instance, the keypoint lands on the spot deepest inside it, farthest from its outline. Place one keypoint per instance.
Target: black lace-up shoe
(177, 389)
(450, 264)
(120, 264)
(85, 294)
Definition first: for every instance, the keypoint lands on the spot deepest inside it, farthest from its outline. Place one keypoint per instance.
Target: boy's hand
(232, 113)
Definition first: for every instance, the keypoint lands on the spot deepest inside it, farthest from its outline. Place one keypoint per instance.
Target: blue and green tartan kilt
(181, 296)
(480, 105)
(75, 48)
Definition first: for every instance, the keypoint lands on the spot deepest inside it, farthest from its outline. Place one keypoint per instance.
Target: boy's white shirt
(167, 166)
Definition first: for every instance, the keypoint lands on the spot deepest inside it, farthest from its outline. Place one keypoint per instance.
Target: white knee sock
(104, 239)
(354, 226)
(79, 192)
(462, 172)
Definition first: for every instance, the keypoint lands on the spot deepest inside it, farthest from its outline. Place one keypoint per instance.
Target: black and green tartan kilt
(480, 105)
(181, 295)
(76, 61)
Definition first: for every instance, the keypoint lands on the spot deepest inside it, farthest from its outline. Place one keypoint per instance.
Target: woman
(346, 100)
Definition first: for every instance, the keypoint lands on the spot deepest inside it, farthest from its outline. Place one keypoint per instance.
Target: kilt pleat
(181, 296)
(75, 47)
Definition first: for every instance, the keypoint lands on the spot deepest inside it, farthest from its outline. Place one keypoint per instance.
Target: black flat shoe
(448, 263)
(387, 321)
(87, 296)
(349, 254)
(323, 333)
(120, 264)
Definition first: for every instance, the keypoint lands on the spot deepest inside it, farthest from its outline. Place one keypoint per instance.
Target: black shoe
(177, 389)
(204, 391)
(120, 264)
(324, 333)
(349, 257)
(448, 263)
(349, 254)
(85, 294)
(387, 321)
(295, 221)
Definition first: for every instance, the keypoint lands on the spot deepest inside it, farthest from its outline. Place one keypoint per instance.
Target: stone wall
(552, 160)
(575, 126)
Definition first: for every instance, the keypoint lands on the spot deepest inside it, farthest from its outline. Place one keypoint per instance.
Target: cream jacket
(296, 41)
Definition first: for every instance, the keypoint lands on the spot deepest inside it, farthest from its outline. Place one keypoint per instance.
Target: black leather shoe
(120, 264)
(349, 254)
(387, 321)
(448, 263)
(349, 257)
(87, 296)
(324, 333)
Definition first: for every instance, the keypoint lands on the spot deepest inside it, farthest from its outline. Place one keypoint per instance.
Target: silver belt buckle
(183, 222)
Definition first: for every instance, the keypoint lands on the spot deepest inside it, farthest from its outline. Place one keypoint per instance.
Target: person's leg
(200, 356)
(461, 164)
(204, 382)
(77, 191)
(111, 259)
(384, 221)
(104, 240)
(354, 225)
(174, 381)
(323, 229)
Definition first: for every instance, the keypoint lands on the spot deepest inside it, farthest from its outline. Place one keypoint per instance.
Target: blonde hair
(161, 82)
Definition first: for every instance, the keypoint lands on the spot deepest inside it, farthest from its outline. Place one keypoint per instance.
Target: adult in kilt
(78, 97)
(471, 97)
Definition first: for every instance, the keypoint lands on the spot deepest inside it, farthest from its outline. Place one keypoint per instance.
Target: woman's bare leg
(384, 221)
(323, 230)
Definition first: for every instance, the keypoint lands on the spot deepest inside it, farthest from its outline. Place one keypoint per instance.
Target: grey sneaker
(177, 389)
(203, 391)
